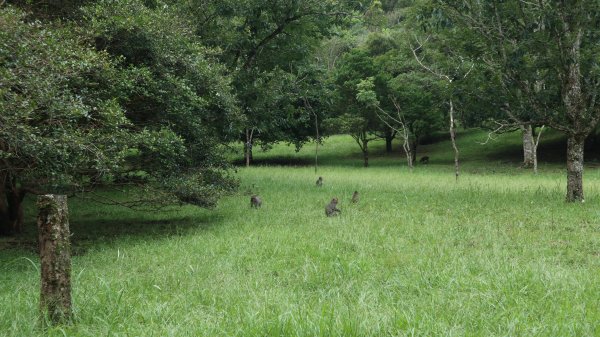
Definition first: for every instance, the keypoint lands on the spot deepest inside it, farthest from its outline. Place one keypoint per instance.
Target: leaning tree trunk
(528, 146)
(575, 168)
(407, 151)
(55, 257)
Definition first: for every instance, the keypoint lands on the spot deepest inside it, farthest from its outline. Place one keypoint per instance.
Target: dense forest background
(152, 94)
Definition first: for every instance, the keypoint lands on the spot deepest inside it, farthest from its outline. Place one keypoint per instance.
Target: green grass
(477, 153)
(497, 254)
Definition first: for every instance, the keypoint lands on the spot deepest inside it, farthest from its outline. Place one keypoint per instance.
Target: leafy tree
(406, 86)
(147, 105)
(179, 85)
(352, 117)
(547, 56)
(58, 120)
(381, 83)
(266, 46)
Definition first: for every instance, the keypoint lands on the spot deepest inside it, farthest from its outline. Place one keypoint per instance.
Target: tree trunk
(248, 146)
(5, 222)
(365, 150)
(247, 155)
(413, 149)
(535, 147)
(11, 206)
(388, 144)
(316, 142)
(528, 147)
(575, 108)
(389, 137)
(55, 257)
(575, 168)
(453, 138)
(15, 207)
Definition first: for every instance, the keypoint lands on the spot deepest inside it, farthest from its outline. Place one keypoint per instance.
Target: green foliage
(179, 88)
(525, 49)
(178, 81)
(267, 47)
(59, 118)
(148, 104)
(381, 79)
(355, 66)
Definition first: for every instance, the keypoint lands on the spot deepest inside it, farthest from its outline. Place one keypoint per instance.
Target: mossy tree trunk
(528, 146)
(55, 257)
(575, 168)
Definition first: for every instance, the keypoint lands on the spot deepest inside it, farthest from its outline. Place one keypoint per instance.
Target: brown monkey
(331, 208)
(255, 201)
(355, 197)
(320, 182)
(424, 160)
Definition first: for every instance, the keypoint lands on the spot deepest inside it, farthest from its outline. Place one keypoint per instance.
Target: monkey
(255, 201)
(424, 160)
(320, 182)
(355, 197)
(331, 208)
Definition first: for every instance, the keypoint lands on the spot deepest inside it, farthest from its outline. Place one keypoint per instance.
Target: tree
(57, 122)
(146, 106)
(397, 122)
(179, 87)
(351, 116)
(547, 51)
(266, 45)
(402, 84)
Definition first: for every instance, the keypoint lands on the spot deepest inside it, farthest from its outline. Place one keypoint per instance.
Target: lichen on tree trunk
(575, 168)
(55, 257)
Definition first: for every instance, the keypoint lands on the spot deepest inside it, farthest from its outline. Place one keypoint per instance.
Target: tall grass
(497, 254)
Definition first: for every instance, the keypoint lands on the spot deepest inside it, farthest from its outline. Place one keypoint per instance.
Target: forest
(447, 136)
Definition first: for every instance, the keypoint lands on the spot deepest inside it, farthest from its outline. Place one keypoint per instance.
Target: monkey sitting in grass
(255, 201)
(354, 197)
(424, 160)
(320, 182)
(331, 208)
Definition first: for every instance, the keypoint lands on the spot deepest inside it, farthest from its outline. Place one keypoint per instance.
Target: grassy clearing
(498, 254)
(502, 152)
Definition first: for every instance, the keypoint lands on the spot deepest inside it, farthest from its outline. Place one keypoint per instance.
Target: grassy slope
(499, 253)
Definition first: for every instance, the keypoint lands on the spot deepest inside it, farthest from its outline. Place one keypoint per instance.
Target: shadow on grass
(277, 161)
(94, 224)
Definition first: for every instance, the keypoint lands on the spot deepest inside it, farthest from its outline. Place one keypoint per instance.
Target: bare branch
(414, 51)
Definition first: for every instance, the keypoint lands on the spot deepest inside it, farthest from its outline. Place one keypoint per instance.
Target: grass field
(497, 254)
